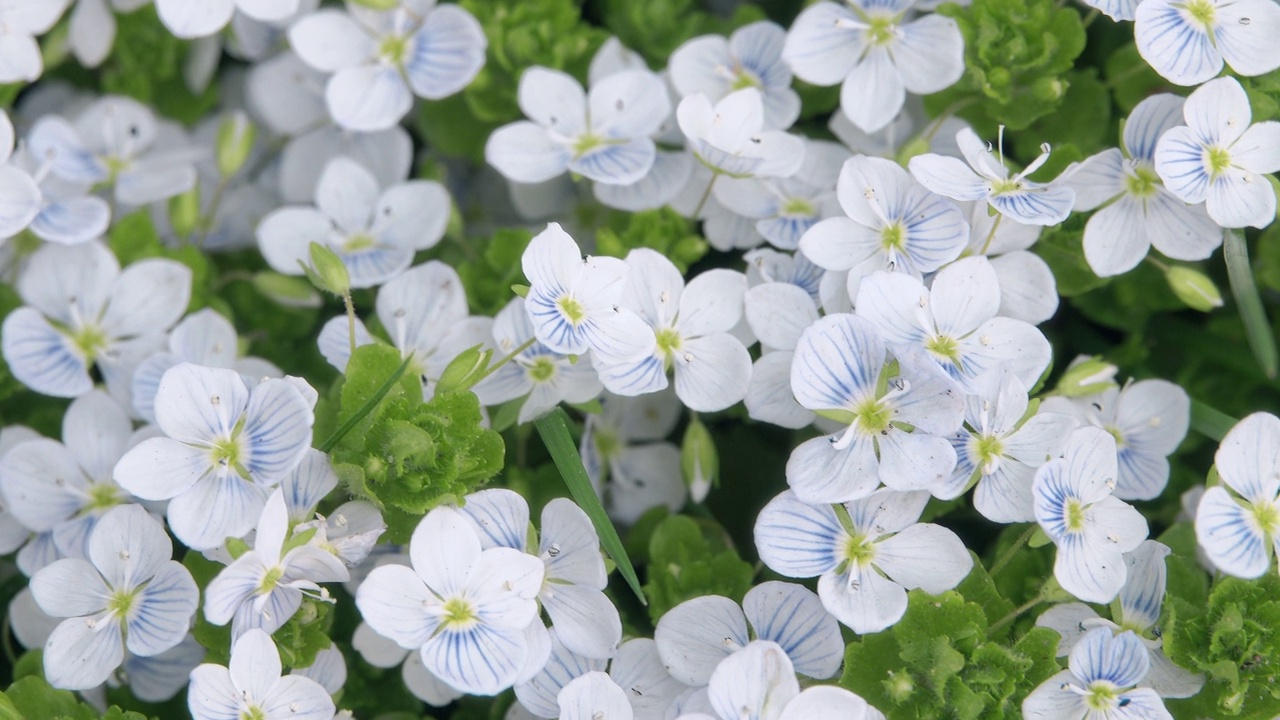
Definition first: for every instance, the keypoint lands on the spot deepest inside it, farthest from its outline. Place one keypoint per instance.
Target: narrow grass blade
(1210, 422)
(554, 429)
(1256, 327)
(366, 408)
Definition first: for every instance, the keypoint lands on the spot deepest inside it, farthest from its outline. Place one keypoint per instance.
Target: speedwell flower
(1240, 532)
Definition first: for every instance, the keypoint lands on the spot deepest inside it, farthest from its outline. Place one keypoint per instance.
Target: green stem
(207, 220)
(506, 359)
(367, 407)
(1017, 612)
(1007, 556)
(1209, 421)
(706, 195)
(351, 320)
(991, 235)
(1256, 326)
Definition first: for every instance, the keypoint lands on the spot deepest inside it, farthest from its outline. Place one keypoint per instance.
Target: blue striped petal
(538, 695)
(1036, 205)
(1151, 119)
(793, 616)
(481, 660)
(1182, 52)
(837, 362)
(501, 517)
(277, 430)
(214, 509)
(159, 618)
(1231, 539)
(1143, 593)
(42, 358)
(798, 540)
(694, 636)
(616, 163)
(447, 53)
(79, 655)
(1121, 660)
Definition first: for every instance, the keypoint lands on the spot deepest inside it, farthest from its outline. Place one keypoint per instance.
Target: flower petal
(79, 655)
(793, 616)
(694, 636)
(1181, 52)
(1230, 537)
(798, 540)
(164, 610)
(367, 98)
(446, 53)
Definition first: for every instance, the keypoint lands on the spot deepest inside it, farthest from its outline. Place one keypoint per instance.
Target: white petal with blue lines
(1230, 535)
(163, 612)
(1249, 457)
(798, 540)
(446, 54)
(793, 616)
(1174, 44)
(277, 430)
(367, 98)
(694, 636)
(837, 362)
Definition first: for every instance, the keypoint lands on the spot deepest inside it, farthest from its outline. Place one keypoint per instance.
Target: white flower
(1000, 449)
(348, 532)
(83, 312)
(1187, 41)
(1241, 532)
(66, 487)
(1139, 610)
(692, 327)
(777, 312)
(1075, 508)
(893, 224)
(986, 178)
(374, 232)
(383, 652)
(66, 212)
(866, 553)
(252, 687)
(20, 22)
(1138, 211)
(730, 138)
(750, 57)
(593, 696)
(1219, 159)
(626, 459)
(954, 322)
(543, 377)
(785, 208)
(877, 55)
(602, 135)
(573, 302)
(574, 578)
(1028, 290)
(116, 141)
(264, 587)
(1100, 683)
(128, 593)
(198, 18)
(381, 60)
(226, 445)
(895, 427)
(694, 636)
(465, 608)
(21, 198)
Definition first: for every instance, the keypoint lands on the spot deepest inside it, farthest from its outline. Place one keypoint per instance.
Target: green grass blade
(554, 429)
(366, 408)
(1209, 421)
(1256, 327)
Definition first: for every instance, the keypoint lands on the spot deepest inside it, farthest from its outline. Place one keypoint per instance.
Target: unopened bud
(286, 290)
(1087, 376)
(699, 461)
(235, 141)
(327, 271)
(184, 212)
(1193, 288)
(465, 370)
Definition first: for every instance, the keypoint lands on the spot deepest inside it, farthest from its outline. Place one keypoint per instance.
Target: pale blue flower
(199, 18)
(1240, 530)
(1104, 669)
(1186, 41)
(1219, 158)
(636, 666)
(128, 593)
(750, 57)
(1074, 505)
(728, 136)
(251, 686)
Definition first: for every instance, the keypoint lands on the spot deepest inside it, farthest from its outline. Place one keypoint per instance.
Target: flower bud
(285, 290)
(184, 212)
(327, 271)
(235, 141)
(699, 462)
(1193, 288)
(465, 370)
(1087, 376)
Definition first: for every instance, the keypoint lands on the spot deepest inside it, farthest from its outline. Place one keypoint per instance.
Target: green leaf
(554, 429)
(370, 400)
(1209, 421)
(35, 698)
(691, 558)
(8, 711)
(1257, 328)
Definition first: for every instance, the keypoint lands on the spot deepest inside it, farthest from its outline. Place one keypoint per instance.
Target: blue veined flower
(866, 553)
(1140, 602)
(1187, 41)
(729, 138)
(1092, 529)
(892, 223)
(1239, 525)
(1103, 670)
(225, 445)
(603, 135)
(954, 322)
(574, 303)
(694, 636)
(759, 682)
(128, 593)
(750, 57)
(200, 18)
(381, 59)
(877, 53)
(464, 608)
(1219, 158)
(985, 177)
(895, 425)
(251, 686)
(1138, 211)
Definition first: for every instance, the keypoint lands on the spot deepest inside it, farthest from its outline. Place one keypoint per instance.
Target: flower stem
(351, 320)
(991, 235)
(207, 220)
(706, 194)
(1257, 327)
(1007, 556)
(506, 359)
(1017, 612)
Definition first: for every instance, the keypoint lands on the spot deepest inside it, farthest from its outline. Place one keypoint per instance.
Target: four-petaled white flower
(750, 57)
(985, 177)
(129, 593)
(199, 18)
(1138, 211)
(877, 54)
(227, 444)
(1187, 41)
(1240, 532)
(729, 136)
(1219, 158)
(866, 553)
(1103, 670)
(602, 135)
(381, 60)
(251, 686)
(1092, 529)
